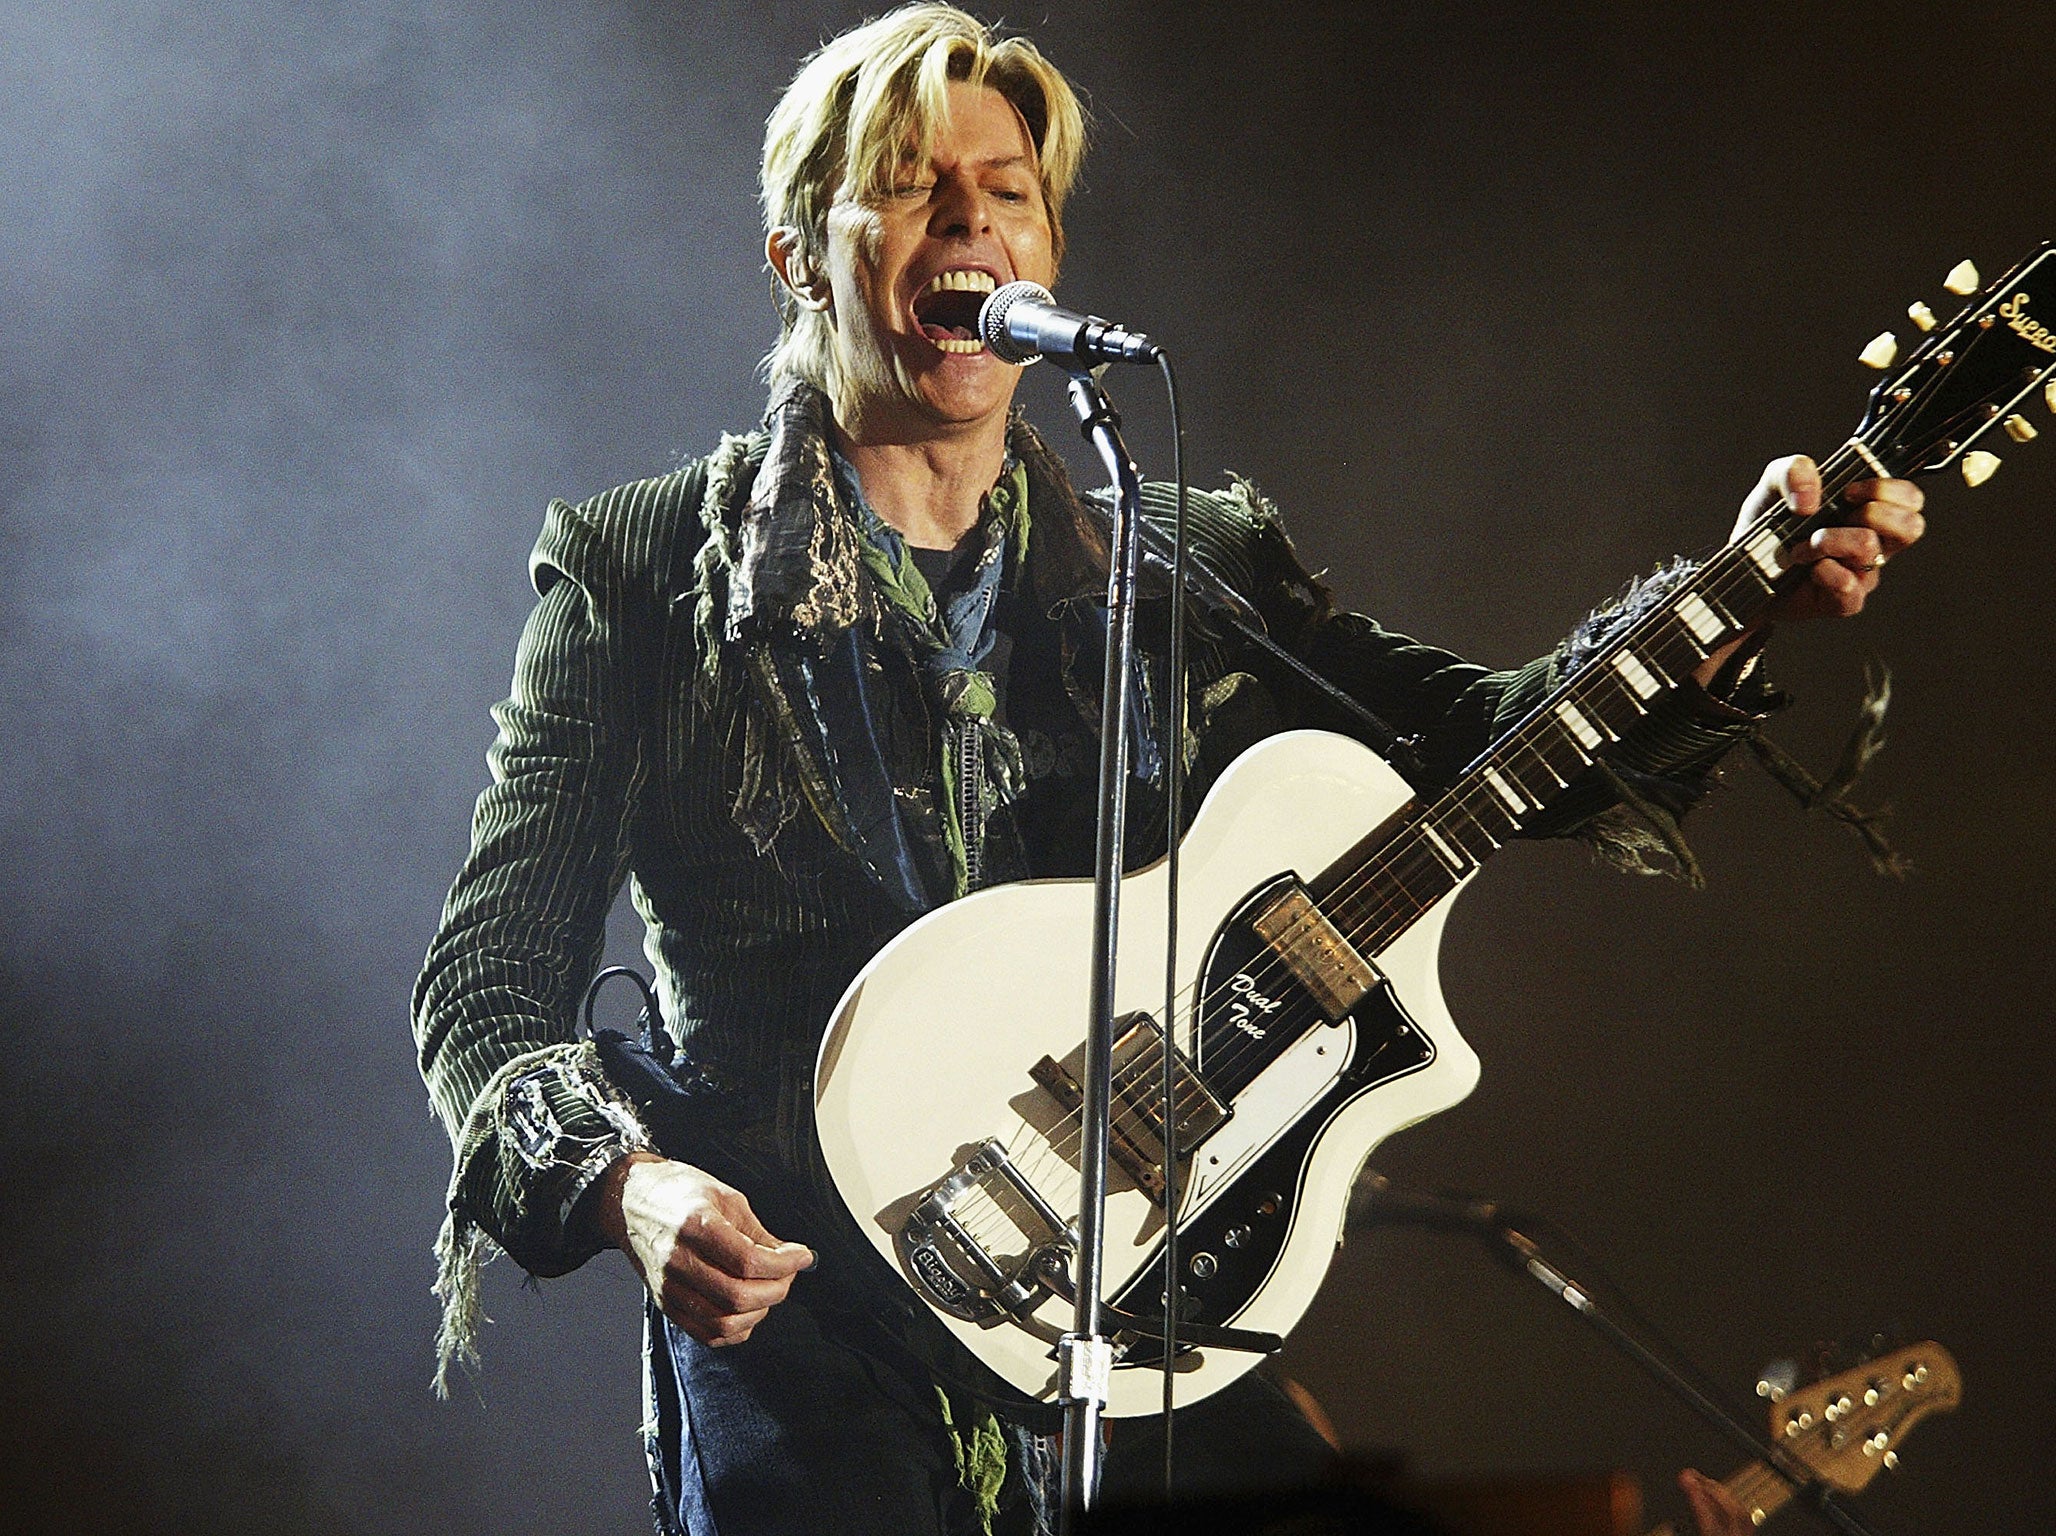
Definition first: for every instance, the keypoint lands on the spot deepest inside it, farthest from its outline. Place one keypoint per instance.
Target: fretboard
(1378, 890)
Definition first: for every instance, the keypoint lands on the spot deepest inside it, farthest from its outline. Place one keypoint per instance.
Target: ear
(808, 287)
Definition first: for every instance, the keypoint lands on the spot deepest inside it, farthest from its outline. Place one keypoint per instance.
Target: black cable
(592, 993)
(1174, 821)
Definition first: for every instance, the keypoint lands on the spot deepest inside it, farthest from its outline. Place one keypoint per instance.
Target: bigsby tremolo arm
(939, 1248)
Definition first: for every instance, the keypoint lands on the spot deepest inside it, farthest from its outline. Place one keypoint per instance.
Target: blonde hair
(848, 120)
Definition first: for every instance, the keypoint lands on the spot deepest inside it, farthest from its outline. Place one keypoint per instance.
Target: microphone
(1020, 322)
(1375, 1202)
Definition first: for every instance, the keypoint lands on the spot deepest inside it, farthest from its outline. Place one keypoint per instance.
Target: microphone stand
(1085, 1355)
(1493, 1225)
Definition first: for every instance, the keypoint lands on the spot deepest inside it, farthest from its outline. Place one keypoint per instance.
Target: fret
(1381, 900)
(1738, 590)
(1673, 653)
(1537, 755)
(1716, 603)
(1465, 823)
(1411, 882)
(1543, 758)
(1603, 692)
(1677, 636)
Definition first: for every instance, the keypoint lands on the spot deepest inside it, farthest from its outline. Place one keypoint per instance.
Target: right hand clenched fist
(698, 1246)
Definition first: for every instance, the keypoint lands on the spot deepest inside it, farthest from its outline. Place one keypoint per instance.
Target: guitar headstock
(1968, 375)
(1849, 1426)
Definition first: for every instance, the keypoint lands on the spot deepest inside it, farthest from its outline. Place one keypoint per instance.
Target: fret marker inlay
(1505, 791)
(1635, 675)
(1442, 849)
(1578, 725)
(1699, 618)
(1763, 549)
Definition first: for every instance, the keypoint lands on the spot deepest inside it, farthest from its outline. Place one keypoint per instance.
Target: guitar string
(1391, 870)
(1715, 578)
(1388, 870)
(1407, 857)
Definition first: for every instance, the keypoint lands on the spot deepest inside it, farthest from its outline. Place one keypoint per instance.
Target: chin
(961, 390)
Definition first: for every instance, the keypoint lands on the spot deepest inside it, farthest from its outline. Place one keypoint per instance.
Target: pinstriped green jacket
(665, 724)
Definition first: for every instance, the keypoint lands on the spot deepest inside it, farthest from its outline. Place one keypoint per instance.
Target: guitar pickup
(1136, 1140)
(1314, 950)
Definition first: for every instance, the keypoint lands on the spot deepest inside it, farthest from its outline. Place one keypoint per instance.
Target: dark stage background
(307, 311)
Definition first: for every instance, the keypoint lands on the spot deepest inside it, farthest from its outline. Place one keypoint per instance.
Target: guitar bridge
(984, 1243)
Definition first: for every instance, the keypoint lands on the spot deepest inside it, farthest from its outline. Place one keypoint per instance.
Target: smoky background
(308, 310)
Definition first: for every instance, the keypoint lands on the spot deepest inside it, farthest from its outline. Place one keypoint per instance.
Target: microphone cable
(1174, 822)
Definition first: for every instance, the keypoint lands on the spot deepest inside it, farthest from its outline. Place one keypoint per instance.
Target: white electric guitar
(946, 1100)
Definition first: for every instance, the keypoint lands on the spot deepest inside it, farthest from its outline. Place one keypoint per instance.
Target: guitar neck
(1760, 1492)
(1378, 890)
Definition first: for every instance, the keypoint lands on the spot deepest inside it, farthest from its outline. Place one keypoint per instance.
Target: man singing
(838, 672)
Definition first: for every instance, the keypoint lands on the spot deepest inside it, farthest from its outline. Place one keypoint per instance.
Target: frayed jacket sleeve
(1456, 708)
(532, 1118)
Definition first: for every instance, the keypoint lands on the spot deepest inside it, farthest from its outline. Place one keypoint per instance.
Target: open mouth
(947, 309)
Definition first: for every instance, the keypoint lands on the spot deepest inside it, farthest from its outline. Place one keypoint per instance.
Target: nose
(961, 209)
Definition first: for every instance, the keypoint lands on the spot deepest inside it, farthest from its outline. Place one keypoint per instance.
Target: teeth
(963, 279)
(964, 348)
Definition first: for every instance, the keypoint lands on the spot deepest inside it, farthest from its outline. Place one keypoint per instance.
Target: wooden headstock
(1846, 1428)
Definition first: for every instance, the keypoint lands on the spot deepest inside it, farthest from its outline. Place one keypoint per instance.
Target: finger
(1896, 527)
(726, 1292)
(1896, 493)
(727, 1246)
(1792, 483)
(739, 1334)
(1714, 1510)
(737, 1206)
(1857, 548)
(692, 1314)
(711, 1301)
(1837, 590)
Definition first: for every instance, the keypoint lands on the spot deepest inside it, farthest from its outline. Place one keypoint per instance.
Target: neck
(928, 488)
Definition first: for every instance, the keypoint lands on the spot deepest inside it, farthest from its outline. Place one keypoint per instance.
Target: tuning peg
(1962, 278)
(1883, 349)
(2049, 394)
(1892, 1461)
(2020, 429)
(1979, 466)
(1922, 317)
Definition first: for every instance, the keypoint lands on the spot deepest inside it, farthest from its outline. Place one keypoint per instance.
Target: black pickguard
(1227, 1251)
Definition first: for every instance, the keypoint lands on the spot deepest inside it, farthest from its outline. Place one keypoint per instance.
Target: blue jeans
(821, 1421)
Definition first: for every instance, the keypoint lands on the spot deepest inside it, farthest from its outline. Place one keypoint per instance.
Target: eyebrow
(1001, 163)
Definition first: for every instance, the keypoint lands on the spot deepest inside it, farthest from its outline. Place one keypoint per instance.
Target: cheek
(856, 242)
(1032, 248)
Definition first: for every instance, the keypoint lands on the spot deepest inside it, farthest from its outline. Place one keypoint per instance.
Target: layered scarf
(980, 759)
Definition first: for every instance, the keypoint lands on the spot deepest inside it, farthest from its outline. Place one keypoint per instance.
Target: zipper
(970, 797)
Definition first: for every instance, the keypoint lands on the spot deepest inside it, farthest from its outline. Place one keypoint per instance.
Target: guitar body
(930, 1053)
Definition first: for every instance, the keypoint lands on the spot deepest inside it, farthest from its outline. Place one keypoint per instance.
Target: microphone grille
(992, 319)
